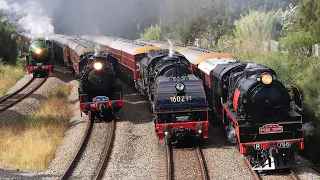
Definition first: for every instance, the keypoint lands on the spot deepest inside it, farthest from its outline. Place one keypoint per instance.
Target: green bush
(252, 35)
(152, 33)
(289, 68)
(298, 44)
(311, 91)
(256, 24)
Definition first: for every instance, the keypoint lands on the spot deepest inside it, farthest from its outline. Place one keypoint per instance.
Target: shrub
(62, 92)
(290, 69)
(298, 44)
(256, 24)
(152, 33)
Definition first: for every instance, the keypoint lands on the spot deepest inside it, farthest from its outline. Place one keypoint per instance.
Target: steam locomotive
(256, 110)
(40, 57)
(177, 97)
(100, 92)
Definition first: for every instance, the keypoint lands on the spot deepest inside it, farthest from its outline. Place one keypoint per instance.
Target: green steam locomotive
(40, 57)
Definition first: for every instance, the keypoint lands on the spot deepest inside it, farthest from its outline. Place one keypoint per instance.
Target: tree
(8, 44)
(309, 17)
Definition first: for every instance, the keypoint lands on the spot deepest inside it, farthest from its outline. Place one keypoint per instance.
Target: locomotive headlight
(266, 79)
(180, 86)
(97, 65)
(38, 51)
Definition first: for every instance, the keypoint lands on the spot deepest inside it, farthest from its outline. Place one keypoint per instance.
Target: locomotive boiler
(40, 57)
(99, 91)
(177, 98)
(256, 110)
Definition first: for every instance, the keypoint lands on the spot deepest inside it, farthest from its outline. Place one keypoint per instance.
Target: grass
(32, 145)
(9, 75)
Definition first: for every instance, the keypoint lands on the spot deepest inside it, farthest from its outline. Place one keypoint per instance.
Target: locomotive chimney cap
(97, 55)
(173, 58)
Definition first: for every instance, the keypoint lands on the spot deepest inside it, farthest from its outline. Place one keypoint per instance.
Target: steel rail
(202, 164)
(169, 161)
(6, 97)
(77, 157)
(103, 162)
(7, 106)
(293, 175)
(253, 172)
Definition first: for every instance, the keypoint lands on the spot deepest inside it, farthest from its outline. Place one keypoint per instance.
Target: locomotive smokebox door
(297, 98)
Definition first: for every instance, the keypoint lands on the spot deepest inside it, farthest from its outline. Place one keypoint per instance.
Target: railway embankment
(34, 132)
(9, 75)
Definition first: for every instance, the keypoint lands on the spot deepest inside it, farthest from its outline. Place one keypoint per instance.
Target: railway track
(10, 100)
(98, 174)
(171, 161)
(257, 176)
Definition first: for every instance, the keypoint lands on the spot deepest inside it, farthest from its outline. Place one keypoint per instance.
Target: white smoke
(97, 49)
(308, 129)
(231, 131)
(32, 17)
(4, 5)
(170, 48)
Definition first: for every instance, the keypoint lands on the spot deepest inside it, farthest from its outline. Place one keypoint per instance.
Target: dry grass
(32, 145)
(9, 75)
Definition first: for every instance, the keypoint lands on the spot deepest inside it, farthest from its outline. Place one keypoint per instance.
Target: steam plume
(308, 129)
(31, 15)
(231, 131)
(170, 48)
(97, 49)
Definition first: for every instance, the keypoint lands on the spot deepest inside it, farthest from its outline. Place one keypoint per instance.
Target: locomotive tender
(177, 98)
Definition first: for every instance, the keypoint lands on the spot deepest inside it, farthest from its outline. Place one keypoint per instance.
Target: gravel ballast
(186, 164)
(222, 159)
(92, 154)
(135, 154)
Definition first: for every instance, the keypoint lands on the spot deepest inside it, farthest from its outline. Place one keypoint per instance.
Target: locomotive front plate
(101, 99)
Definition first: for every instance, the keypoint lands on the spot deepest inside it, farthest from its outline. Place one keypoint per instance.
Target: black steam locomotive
(99, 91)
(256, 110)
(177, 98)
